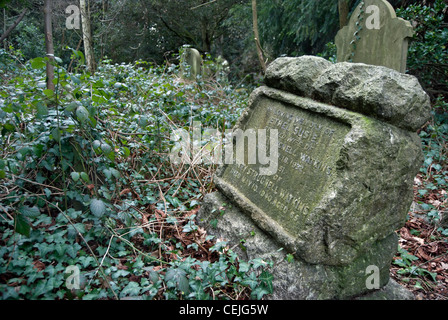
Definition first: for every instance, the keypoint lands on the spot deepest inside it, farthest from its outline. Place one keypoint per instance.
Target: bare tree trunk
(87, 36)
(49, 43)
(103, 36)
(4, 24)
(7, 32)
(256, 35)
(206, 42)
(344, 9)
(4, 20)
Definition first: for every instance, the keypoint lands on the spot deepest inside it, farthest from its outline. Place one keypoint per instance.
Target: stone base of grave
(299, 280)
(391, 291)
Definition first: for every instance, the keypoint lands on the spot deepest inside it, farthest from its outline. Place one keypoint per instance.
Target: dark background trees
(154, 30)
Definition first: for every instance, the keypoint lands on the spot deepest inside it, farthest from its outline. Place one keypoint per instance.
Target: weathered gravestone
(374, 35)
(190, 63)
(347, 156)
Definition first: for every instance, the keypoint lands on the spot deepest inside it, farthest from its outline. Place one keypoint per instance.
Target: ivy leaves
(176, 277)
(21, 222)
(78, 163)
(82, 114)
(21, 225)
(27, 211)
(97, 207)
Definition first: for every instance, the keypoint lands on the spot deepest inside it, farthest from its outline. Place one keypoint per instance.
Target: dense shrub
(87, 185)
(428, 52)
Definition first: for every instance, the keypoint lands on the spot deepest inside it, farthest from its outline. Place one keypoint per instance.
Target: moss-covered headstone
(374, 35)
(348, 152)
(190, 63)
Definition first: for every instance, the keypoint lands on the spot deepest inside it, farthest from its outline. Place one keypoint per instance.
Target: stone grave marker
(343, 182)
(190, 63)
(374, 35)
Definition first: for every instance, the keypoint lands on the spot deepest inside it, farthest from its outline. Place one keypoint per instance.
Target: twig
(204, 4)
(102, 260)
(161, 227)
(7, 32)
(33, 195)
(9, 216)
(425, 262)
(40, 184)
(90, 249)
(136, 249)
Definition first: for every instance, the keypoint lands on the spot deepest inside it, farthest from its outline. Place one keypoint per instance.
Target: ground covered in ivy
(88, 188)
(421, 263)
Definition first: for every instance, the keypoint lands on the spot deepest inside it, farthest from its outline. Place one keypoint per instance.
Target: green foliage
(408, 269)
(428, 54)
(198, 280)
(87, 182)
(30, 40)
(330, 52)
(163, 27)
(431, 193)
(297, 27)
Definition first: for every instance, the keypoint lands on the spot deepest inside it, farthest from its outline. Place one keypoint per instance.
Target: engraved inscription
(309, 145)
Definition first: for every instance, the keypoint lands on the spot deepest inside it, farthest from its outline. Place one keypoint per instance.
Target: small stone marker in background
(374, 35)
(348, 153)
(190, 63)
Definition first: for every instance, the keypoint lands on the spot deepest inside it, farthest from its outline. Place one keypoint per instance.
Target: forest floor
(421, 264)
(109, 138)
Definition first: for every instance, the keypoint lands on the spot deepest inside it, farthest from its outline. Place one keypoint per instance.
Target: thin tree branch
(204, 4)
(7, 32)
(256, 35)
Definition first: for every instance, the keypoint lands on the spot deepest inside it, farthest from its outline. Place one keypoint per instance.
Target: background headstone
(374, 35)
(344, 184)
(191, 63)
(218, 69)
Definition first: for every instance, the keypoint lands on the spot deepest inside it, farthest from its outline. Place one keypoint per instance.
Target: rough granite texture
(299, 280)
(365, 199)
(296, 75)
(376, 91)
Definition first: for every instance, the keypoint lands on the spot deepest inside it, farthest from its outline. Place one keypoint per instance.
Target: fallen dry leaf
(124, 191)
(39, 265)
